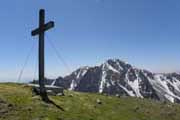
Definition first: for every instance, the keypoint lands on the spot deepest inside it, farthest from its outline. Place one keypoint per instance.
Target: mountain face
(115, 77)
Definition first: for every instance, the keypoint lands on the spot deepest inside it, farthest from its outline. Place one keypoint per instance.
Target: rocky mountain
(115, 77)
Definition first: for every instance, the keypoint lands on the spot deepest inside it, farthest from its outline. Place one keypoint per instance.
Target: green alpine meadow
(17, 102)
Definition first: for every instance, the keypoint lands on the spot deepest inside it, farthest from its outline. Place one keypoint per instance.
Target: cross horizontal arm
(46, 27)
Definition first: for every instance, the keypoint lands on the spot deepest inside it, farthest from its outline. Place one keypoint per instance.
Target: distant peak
(116, 60)
(116, 65)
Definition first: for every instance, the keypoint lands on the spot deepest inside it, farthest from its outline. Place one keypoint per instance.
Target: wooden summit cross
(41, 31)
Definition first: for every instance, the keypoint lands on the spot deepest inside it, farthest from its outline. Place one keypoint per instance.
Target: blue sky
(145, 33)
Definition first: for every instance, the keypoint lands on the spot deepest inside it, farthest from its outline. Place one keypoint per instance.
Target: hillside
(18, 103)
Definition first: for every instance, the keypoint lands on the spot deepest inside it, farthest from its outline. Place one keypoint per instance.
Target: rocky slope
(115, 77)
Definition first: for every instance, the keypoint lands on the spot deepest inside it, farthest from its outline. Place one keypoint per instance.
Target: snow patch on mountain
(73, 85)
(130, 93)
(53, 83)
(109, 67)
(103, 82)
(160, 84)
(134, 84)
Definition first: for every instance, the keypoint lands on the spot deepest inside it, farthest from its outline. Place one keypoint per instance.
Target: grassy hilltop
(18, 103)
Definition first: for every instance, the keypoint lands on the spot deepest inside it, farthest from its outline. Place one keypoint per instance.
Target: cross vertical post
(41, 31)
(41, 54)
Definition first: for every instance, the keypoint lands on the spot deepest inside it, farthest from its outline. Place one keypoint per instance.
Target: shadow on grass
(57, 106)
(45, 98)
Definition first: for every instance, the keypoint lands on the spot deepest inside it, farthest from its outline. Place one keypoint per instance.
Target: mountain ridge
(116, 77)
